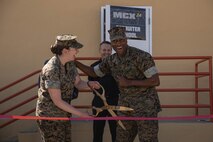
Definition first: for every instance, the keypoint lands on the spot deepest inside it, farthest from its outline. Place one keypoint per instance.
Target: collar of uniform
(62, 67)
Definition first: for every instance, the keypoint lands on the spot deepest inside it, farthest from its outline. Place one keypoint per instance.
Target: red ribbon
(105, 118)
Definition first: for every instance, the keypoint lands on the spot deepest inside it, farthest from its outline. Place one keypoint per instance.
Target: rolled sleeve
(52, 79)
(150, 72)
(52, 84)
(97, 71)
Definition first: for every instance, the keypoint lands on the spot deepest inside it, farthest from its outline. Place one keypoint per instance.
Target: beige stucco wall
(29, 27)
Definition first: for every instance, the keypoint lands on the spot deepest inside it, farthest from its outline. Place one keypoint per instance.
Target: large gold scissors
(110, 108)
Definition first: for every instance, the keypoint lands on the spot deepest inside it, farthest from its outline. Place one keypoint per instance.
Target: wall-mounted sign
(134, 19)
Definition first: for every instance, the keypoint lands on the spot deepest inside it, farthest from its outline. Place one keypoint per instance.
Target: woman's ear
(64, 51)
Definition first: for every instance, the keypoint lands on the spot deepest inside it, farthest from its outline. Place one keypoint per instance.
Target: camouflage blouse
(55, 75)
(135, 65)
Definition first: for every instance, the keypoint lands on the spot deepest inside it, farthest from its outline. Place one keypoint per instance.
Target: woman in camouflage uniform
(57, 80)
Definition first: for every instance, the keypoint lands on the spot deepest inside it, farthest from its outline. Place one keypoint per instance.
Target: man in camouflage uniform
(136, 74)
(58, 78)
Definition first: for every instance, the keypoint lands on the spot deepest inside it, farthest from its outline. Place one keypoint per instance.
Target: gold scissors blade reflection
(110, 108)
(119, 121)
(118, 108)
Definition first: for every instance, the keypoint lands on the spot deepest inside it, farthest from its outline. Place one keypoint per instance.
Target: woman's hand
(84, 114)
(94, 84)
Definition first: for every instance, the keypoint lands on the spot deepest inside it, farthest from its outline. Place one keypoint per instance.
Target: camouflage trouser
(147, 130)
(55, 131)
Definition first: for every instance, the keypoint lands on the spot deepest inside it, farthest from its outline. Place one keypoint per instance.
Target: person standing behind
(111, 93)
(57, 79)
(137, 78)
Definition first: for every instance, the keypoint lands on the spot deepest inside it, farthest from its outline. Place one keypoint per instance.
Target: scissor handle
(101, 95)
(98, 110)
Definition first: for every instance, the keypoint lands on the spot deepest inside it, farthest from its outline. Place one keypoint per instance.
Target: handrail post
(210, 88)
(196, 87)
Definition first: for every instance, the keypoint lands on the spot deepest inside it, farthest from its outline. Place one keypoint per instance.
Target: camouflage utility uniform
(56, 76)
(135, 65)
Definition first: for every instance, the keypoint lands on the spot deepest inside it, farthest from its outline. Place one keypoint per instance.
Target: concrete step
(29, 137)
(169, 132)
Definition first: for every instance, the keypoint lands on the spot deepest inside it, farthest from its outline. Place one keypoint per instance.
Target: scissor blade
(119, 121)
(120, 108)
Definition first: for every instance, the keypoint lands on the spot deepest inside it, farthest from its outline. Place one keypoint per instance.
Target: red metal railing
(197, 75)
(19, 80)
(196, 89)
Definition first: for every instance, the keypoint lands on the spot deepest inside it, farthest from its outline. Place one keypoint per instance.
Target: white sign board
(136, 19)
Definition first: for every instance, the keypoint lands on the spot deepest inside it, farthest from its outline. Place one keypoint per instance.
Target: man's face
(105, 50)
(120, 46)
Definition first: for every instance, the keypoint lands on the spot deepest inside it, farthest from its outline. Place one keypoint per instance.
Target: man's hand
(123, 82)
